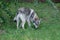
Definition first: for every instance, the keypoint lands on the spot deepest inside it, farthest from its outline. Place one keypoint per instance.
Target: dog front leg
(29, 23)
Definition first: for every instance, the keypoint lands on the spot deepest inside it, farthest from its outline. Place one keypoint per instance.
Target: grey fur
(27, 14)
(24, 10)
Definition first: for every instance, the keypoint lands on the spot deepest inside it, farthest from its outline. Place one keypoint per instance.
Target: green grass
(49, 28)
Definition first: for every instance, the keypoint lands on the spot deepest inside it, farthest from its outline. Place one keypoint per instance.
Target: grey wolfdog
(27, 15)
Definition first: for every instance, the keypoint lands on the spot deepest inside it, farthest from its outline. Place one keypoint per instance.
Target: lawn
(49, 29)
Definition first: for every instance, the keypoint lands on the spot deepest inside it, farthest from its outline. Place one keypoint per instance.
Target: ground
(49, 29)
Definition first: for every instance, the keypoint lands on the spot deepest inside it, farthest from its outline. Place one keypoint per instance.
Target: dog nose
(14, 20)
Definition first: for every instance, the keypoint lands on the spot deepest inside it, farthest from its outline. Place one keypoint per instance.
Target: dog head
(36, 22)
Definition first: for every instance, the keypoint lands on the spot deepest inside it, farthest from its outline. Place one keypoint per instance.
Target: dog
(27, 15)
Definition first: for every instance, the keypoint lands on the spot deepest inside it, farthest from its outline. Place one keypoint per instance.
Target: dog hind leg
(17, 23)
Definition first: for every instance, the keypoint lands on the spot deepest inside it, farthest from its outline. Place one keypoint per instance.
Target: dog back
(24, 10)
